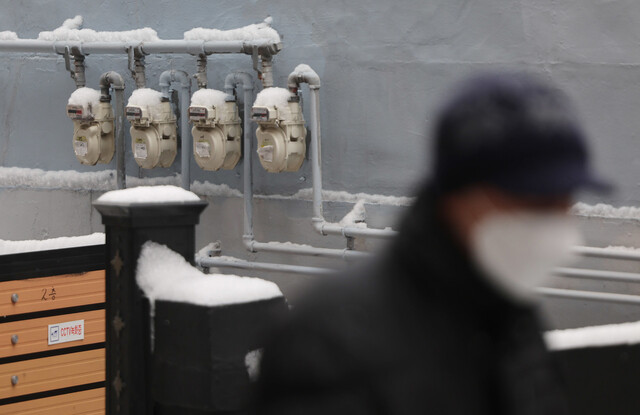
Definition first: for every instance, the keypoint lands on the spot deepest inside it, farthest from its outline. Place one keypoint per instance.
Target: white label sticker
(140, 151)
(80, 147)
(66, 332)
(266, 153)
(203, 149)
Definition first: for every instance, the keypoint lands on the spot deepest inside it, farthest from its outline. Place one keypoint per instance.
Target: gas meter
(281, 134)
(93, 137)
(153, 129)
(216, 132)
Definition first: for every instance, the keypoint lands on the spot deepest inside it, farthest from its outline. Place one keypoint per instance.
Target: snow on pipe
(113, 80)
(589, 295)
(167, 78)
(230, 84)
(263, 266)
(263, 47)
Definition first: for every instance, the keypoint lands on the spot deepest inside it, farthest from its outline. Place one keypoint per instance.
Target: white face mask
(517, 251)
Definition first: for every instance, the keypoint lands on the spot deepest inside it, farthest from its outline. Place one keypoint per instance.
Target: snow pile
(209, 98)
(247, 33)
(148, 99)
(252, 363)
(149, 194)
(7, 35)
(356, 217)
(88, 98)
(273, 97)
(212, 189)
(72, 30)
(165, 275)
(16, 247)
(304, 68)
(602, 210)
(596, 336)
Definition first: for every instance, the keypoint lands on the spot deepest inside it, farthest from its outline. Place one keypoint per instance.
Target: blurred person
(444, 321)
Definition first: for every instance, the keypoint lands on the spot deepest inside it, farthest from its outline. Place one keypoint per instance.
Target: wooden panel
(91, 402)
(33, 334)
(48, 373)
(48, 293)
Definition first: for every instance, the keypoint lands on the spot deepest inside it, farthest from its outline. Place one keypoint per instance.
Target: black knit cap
(515, 132)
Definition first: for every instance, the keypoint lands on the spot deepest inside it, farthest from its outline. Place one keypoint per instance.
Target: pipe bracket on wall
(77, 72)
(136, 66)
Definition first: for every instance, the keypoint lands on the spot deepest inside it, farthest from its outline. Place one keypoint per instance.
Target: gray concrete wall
(384, 67)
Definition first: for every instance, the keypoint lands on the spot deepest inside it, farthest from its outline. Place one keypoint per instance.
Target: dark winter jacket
(419, 331)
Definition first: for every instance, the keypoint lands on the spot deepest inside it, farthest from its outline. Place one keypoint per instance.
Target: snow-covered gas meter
(153, 129)
(281, 132)
(216, 129)
(93, 139)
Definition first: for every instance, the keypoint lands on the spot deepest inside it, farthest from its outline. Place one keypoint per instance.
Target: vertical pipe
(114, 80)
(230, 84)
(186, 139)
(248, 169)
(166, 79)
(316, 164)
(120, 146)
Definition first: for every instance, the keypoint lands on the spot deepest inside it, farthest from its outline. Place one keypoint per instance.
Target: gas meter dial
(216, 135)
(281, 136)
(153, 135)
(93, 137)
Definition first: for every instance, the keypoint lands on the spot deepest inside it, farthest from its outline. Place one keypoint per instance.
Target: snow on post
(148, 194)
(259, 31)
(88, 98)
(72, 30)
(163, 274)
(273, 97)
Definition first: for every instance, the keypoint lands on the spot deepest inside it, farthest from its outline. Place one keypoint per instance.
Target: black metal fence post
(128, 343)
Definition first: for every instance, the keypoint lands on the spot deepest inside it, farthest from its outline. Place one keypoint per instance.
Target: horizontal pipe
(193, 47)
(283, 248)
(588, 251)
(263, 266)
(589, 295)
(597, 274)
(327, 228)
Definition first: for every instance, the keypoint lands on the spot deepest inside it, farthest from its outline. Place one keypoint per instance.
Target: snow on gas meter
(153, 129)
(281, 132)
(93, 137)
(216, 129)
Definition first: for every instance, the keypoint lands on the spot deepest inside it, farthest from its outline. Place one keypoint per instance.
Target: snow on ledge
(602, 210)
(595, 336)
(163, 274)
(148, 194)
(28, 178)
(18, 247)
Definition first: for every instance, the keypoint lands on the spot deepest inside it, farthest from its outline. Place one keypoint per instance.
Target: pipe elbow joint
(235, 78)
(296, 78)
(318, 225)
(248, 242)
